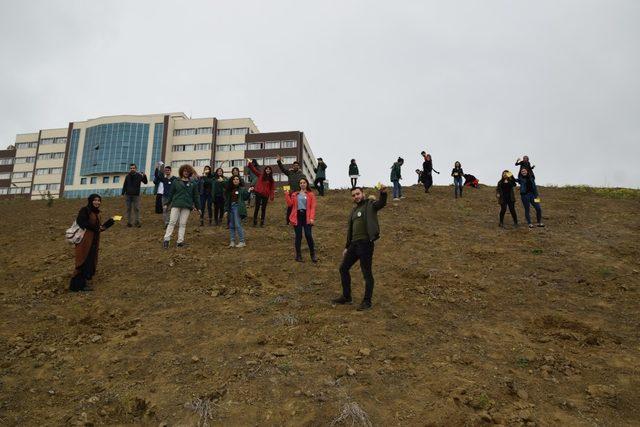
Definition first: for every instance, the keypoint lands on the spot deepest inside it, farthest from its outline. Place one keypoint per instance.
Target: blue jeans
(527, 200)
(457, 185)
(235, 224)
(397, 190)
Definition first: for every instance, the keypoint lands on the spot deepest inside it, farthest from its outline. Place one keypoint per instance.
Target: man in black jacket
(131, 190)
(363, 230)
(163, 183)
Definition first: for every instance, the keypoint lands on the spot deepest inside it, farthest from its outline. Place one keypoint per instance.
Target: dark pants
(289, 208)
(457, 186)
(319, 184)
(354, 182)
(359, 250)
(159, 203)
(427, 180)
(205, 202)
(302, 225)
(218, 208)
(512, 210)
(527, 200)
(261, 204)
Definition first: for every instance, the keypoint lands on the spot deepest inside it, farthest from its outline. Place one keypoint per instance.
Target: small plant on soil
(352, 412)
(204, 408)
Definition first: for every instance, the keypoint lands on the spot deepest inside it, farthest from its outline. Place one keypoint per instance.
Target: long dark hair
(231, 187)
(457, 164)
(267, 176)
(221, 170)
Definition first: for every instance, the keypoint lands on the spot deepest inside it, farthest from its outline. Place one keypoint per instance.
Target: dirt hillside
(471, 324)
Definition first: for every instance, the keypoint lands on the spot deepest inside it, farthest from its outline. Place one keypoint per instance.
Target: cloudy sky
(482, 82)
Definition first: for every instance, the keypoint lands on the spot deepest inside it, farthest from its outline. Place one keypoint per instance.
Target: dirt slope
(471, 324)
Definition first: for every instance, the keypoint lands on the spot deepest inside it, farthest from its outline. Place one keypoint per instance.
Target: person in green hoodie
(235, 205)
(354, 173)
(362, 232)
(205, 187)
(219, 183)
(321, 175)
(183, 198)
(396, 176)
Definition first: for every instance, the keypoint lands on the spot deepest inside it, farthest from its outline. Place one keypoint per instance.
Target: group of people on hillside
(214, 194)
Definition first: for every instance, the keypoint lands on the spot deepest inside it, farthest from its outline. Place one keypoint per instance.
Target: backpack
(74, 234)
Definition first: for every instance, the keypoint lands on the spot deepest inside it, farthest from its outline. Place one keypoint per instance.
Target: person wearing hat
(396, 176)
(321, 175)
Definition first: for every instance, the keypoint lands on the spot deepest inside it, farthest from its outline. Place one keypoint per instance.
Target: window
(49, 141)
(48, 156)
(4, 190)
(271, 145)
(237, 163)
(83, 181)
(204, 131)
(201, 162)
(239, 147)
(270, 161)
(116, 179)
(22, 175)
(239, 131)
(5, 175)
(177, 148)
(289, 144)
(224, 132)
(254, 146)
(219, 163)
(184, 132)
(53, 187)
(25, 145)
(287, 160)
(9, 161)
(55, 171)
(19, 190)
(105, 179)
(203, 147)
(177, 163)
(223, 148)
(19, 160)
(42, 171)
(94, 179)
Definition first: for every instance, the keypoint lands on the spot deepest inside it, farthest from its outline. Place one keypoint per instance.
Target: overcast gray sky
(482, 82)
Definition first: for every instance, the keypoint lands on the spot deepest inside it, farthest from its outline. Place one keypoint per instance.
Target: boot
(262, 223)
(299, 257)
(314, 257)
(201, 221)
(210, 221)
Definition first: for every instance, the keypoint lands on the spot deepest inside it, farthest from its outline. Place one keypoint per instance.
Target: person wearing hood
(529, 196)
(396, 176)
(86, 252)
(321, 175)
(131, 190)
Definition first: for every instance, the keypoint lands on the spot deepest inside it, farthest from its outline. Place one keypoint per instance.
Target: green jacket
(294, 177)
(371, 217)
(243, 196)
(320, 170)
(395, 172)
(184, 195)
(219, 186)
(205, 182)
(353, 169)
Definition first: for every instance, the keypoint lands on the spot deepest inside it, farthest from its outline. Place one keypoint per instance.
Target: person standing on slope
(427, 168)
(354, 173)
(457, 173)
(264, 190)
(396, 176)
(506, 197)
(303, 216)
(321, 175)
(529, 196)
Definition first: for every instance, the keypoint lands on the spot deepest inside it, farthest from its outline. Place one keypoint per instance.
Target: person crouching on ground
(363, 231)
(86, 252)
(506, 197)
(235, 200)
(529, 196)
(303, 216)
(184, 198)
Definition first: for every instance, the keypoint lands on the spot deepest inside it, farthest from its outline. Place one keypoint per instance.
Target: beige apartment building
(94, 155)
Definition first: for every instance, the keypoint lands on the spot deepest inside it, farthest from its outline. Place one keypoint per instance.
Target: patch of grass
(536, 251)
(483, 401)
(522, 362)
(606, 271)
(612, 193)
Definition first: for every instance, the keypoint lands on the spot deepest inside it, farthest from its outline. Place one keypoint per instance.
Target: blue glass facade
(71, 159)
(156, 153)
(110, 148)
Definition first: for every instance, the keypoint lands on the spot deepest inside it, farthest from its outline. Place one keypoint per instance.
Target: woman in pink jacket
(303, 216)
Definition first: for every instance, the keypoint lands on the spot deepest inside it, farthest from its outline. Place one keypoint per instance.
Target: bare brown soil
(471, 324)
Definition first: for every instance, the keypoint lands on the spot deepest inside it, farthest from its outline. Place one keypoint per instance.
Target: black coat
(132, 182)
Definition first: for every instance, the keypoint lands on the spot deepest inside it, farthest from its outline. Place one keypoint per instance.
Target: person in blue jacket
(529, 196)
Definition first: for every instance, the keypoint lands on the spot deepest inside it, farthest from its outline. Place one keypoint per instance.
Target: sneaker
(86, 289)
(138, 225)
(402, 197)
(129, 225)
(540, 224)
(180, 244)
(299, 258)
(241, 245)
(165, 244)
(232, 244)
(364, 305)
(342, 300)
(261, 223)
(395, 199)
(314, 257)
(501, 225)
(530, 225)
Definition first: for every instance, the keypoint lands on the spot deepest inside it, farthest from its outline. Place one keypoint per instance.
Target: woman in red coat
(264, 190)
(303, 216)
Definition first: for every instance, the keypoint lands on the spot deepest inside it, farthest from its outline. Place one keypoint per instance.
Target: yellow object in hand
(378, 186)
(537, 200)
(286, 187)
(117, 217)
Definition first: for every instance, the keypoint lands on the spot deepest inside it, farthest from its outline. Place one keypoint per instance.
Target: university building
(93, 156)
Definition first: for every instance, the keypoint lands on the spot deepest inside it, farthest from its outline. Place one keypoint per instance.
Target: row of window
(22, 175)
(48, 171)
(94, 180)
(5, 175)
(15, 190)
(25, 145)
(46, 187)
(49, 156)
(192, 147)
(29, 159)
(237, 163)
(6, 161)
(272, 145)
(209, 131)
(49, 141)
